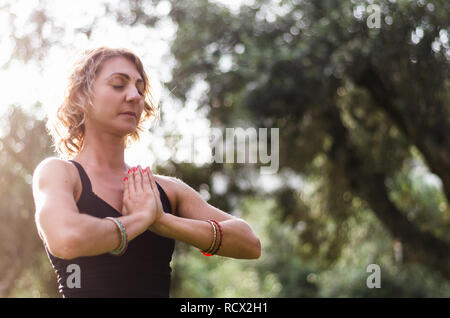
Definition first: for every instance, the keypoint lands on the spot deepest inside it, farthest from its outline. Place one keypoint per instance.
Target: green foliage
(364, 121)
(350, 101)
(419, 193)
(370, 244)
(282, 271)
(38, 279)
(196, 275)
(22, 144)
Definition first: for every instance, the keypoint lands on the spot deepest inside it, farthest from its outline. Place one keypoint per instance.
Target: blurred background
(358, 89)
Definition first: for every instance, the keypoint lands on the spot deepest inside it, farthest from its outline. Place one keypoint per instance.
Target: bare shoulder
(53, 168)
(170, 186)
(174, 184)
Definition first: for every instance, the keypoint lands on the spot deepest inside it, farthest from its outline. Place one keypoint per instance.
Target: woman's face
(117, 90)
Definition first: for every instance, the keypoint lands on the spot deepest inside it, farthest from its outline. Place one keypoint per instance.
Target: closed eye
(118, 87)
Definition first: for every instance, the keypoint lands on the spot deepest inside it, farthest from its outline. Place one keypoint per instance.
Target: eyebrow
(126, 76)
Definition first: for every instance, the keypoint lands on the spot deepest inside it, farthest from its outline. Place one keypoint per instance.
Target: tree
(359, 107)
(358, 98)
(24, 142)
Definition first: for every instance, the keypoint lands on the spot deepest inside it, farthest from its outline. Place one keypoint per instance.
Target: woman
(108, 228)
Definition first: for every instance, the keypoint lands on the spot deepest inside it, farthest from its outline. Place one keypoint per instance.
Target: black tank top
(143, 271)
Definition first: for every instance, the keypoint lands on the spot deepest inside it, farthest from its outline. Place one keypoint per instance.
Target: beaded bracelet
(220, 235)
(213, 243)
(217, 240)
(123, 238)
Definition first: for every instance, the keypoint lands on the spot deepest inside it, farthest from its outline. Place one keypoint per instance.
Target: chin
(126, 130)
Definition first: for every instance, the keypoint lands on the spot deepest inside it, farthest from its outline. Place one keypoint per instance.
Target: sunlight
(28, 85)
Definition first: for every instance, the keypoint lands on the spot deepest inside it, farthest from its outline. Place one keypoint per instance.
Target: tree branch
(435, 153)
(419, 246)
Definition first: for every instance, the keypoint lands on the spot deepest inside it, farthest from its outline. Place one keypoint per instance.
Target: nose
(133, 95)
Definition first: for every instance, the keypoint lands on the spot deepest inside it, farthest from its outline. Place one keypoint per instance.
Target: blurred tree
(351, 101)
(22, 146)
(33, 37)
(359, 110)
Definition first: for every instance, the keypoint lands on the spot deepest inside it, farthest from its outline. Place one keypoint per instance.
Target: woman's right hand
(140, 197)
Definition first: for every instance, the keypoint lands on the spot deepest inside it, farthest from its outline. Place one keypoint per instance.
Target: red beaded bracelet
(220, 239)
(213, 242)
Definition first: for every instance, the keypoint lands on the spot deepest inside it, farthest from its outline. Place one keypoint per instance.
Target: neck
(103, 151)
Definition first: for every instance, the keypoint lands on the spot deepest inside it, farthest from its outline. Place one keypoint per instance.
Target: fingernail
(129, 171)
(125, 179)
(134, 169)
(144, 170)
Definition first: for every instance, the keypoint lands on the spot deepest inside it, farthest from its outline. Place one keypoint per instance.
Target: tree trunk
(434, 147)
(419, 246)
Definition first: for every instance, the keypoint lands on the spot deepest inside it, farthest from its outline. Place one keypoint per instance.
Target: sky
(48, 86)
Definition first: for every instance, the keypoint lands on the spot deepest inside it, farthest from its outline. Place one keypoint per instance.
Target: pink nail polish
(125, 179)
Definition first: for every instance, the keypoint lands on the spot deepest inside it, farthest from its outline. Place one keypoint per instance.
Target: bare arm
(190, 227)
(66, 232)
(238, 239)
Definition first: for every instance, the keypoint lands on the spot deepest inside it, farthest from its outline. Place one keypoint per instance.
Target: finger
(147, 177)
(131, 183)
(153, 182)
(146, 180)
(155, 190)
(126, 188)
(126, 194)
(138, 179)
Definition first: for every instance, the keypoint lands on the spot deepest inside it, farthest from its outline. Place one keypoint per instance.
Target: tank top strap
(164, 199)
(85, 181)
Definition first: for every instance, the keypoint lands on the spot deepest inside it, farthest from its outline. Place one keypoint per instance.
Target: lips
(129, 114)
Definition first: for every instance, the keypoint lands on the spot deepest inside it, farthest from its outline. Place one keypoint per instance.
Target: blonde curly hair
(67, 125)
